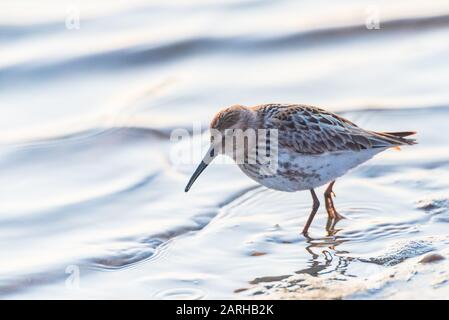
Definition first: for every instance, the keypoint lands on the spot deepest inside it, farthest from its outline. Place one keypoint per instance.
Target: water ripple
(150, 54)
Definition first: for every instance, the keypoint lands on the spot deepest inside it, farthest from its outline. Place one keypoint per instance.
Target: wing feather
(311, 130)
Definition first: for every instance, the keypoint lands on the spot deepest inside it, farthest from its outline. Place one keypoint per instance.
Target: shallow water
(92, 201)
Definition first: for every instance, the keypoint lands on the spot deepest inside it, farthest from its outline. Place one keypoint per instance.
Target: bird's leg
(316, 205)
(330, 208)
(330, 227)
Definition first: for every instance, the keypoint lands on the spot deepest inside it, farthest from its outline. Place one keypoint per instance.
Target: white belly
(297, 172)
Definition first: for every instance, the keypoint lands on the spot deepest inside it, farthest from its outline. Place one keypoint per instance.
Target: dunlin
(313, 147)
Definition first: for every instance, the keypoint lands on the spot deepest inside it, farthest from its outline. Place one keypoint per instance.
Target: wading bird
(313, 147)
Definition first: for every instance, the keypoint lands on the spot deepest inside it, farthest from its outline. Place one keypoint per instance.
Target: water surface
(92, 201)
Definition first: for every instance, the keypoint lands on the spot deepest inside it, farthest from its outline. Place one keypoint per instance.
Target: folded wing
(311, 130)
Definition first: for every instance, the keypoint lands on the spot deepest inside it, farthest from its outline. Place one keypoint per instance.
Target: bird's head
(229, 135)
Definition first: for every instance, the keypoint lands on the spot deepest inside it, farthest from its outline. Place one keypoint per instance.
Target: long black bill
(203, 165)
(196, 174)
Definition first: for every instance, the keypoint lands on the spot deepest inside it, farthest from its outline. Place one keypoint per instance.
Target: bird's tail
(398, 138)
(400, 134)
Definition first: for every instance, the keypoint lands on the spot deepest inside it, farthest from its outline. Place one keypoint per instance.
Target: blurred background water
(91, 195)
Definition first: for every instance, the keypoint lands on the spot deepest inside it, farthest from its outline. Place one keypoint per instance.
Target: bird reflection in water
(324, 252)
(324, 256)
